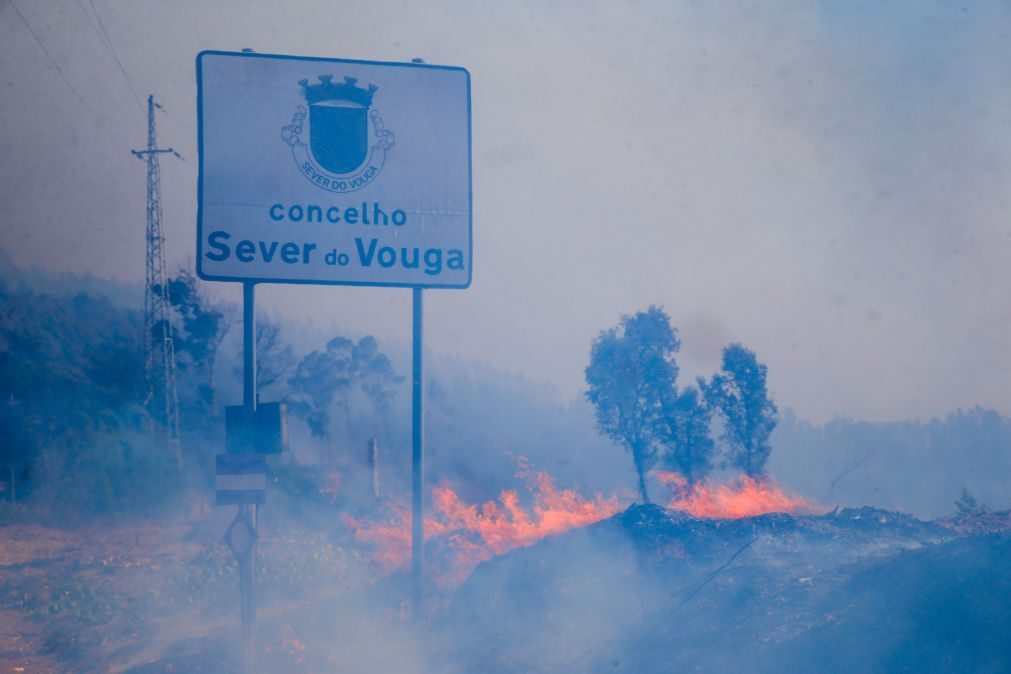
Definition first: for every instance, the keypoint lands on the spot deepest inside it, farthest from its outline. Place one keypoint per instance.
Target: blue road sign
(333, 171)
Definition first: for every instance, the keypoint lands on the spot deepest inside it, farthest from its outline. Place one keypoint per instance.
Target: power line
(91, 21)
(59, 70)
(103, 35)
(112, 50)
(49, 56)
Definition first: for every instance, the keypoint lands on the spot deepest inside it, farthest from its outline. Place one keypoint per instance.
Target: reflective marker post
(417, 461)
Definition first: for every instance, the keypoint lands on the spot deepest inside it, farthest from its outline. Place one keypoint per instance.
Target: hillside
(657, 591)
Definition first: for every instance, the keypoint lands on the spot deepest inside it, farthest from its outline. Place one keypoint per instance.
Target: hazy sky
(827, 182)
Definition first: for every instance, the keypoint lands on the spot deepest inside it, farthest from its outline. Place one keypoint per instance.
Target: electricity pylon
(159, 350)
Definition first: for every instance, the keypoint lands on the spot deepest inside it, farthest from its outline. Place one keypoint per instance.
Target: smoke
(542, 566)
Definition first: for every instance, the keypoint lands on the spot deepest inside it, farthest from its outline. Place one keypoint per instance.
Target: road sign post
(417, 459)
(337, 172)
(247, 565)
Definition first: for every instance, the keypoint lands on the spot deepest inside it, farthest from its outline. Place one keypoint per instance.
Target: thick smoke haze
(824, 182)
(810, 473)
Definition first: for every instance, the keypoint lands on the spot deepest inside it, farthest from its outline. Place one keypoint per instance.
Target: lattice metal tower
(159, 350)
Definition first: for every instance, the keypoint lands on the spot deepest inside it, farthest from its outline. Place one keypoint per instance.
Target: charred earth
(653, 590)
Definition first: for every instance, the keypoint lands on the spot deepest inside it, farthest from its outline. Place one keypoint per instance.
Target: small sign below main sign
(332, 171)
(264, 431)
(241, 479)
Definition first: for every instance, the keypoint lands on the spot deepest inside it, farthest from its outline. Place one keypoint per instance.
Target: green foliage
(375, 374)
(684, 431)
(69, 360)
(631, 382)
(74, 367)
(326, 379)
(319, 378)
(198, 330)
(304, 485)
(94, 472)
(739, 393)
(631, 372)
(274, 357)
(968, 505)
(201, 323)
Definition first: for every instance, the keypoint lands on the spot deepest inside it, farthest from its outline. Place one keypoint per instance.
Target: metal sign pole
(247, 566)
(248, 346)
(417, 461)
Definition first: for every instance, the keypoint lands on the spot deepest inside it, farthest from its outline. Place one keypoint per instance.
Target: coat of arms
(338, 156)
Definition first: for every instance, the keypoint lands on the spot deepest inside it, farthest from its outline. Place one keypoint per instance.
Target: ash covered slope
(657, 591)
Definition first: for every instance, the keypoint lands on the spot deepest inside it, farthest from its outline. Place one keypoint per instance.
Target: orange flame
(468, 534)
(745, 497)
(390, 541)
(461, 535)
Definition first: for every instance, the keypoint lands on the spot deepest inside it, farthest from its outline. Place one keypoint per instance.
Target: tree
(274, 356)
(738, 392)
(631, 371)
(324, 379)
(375, 375)
(968, 505)
(317, 380)
(72, 421)
(684, 432)
(201, 328)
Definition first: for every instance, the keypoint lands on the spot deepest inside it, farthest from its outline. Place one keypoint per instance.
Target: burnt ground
(647, 591)
(856, 590)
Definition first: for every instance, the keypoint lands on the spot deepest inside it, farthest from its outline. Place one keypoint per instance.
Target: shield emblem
(338, 135)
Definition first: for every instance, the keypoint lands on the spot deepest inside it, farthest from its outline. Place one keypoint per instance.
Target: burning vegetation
(744, 497)
(461, 535)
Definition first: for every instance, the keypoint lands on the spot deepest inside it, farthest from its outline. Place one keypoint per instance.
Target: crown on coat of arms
(348, 90)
